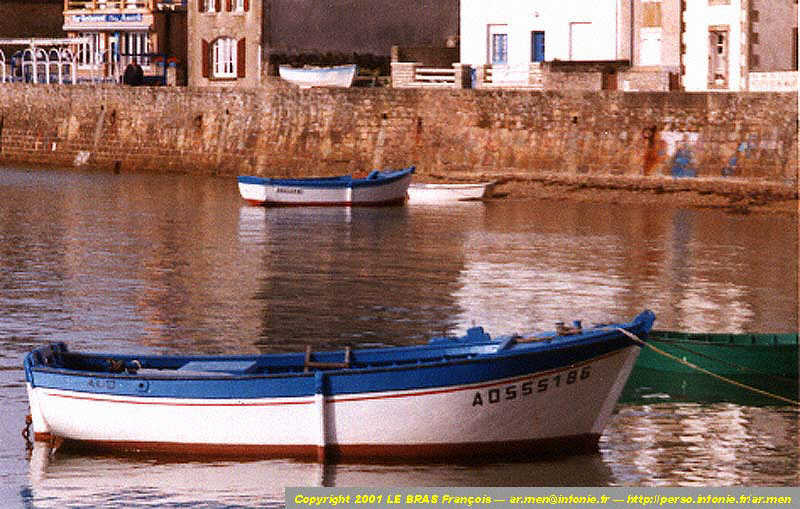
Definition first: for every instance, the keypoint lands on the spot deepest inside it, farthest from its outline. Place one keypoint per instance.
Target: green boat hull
(767, 362)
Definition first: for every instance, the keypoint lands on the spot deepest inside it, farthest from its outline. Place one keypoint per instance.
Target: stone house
(226, 42)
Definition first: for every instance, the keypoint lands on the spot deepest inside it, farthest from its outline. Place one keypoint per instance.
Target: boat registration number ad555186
(529, 387)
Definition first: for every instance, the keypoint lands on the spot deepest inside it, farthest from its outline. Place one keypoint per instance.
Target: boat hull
(307, 77)
(767, 362)
(447, 193)
(523, 414)
(325, 192)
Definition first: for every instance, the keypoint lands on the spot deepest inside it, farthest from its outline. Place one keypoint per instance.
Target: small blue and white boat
(471, 396)
(310, 76)
(378, 188)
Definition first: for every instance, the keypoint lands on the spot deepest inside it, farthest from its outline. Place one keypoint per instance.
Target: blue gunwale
(342, 181)
(472, 359)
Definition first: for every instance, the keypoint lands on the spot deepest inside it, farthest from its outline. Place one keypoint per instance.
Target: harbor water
(180, 264)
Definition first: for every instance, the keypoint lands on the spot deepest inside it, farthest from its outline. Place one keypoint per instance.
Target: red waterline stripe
(363, 452)
(381, 203)
(334, 399)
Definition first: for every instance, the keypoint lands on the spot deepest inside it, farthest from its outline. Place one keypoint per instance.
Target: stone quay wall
(279, 130)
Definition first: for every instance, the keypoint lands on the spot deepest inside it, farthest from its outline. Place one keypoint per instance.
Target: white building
(736, 45)
(512, 34)
(716, 45)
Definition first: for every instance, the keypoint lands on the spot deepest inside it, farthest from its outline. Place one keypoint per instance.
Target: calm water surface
(169, 264)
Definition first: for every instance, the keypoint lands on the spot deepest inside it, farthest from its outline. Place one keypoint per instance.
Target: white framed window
(90, 53)
(135, 43)
(238, 5)
(223, 58)
(498, 44)
(209, 5)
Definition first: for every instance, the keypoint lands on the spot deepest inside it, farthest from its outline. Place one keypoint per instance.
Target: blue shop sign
(106, 18)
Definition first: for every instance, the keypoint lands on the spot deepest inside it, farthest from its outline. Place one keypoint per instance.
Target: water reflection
(360, 275)
(703, 445)
(699, 271)
(60, 479)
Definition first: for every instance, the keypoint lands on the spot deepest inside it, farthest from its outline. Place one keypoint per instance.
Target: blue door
(537, 46)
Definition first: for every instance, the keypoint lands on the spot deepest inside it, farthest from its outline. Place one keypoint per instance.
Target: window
(135, 43)
(223, 58)
(718, 57)
(91, 52)
(238, 5)
(209, 5)
(498, 44)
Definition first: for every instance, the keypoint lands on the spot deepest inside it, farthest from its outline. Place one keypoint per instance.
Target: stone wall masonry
(279, 130)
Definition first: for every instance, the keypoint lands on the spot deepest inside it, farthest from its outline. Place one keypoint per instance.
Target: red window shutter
(246, 5)
(218, 5)
(200, 5)
(229, 5)
(241, 58)
(206, 56)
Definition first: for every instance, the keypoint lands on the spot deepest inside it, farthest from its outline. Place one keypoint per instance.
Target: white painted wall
(606, 36)
(699, 16)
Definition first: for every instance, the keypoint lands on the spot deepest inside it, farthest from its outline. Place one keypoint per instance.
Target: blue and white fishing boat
(377, 188)
(469, 396)
(310, 76)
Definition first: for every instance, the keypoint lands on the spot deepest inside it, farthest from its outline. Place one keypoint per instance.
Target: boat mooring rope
(636, 339)
(675, 344)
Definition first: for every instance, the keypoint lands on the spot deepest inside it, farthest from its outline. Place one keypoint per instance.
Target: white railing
(39, 66)
(413, 75)
(527, 76)
(432, 76)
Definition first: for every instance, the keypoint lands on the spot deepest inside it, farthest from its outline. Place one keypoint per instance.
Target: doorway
(537, 46)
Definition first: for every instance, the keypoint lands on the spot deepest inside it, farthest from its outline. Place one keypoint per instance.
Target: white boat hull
(447, 193)
(564, 407)
(307, 77)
